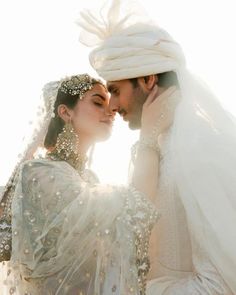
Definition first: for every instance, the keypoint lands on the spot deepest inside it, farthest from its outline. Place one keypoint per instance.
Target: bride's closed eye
(98, 100)
(99, 104)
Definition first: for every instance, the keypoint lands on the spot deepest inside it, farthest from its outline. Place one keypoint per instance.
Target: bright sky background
(39, 43)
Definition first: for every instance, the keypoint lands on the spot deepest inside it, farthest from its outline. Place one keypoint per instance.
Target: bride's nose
(109, 112)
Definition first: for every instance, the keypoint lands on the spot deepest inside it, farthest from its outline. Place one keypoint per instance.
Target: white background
(39, 43)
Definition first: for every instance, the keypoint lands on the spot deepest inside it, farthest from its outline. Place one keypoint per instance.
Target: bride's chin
(103, 136)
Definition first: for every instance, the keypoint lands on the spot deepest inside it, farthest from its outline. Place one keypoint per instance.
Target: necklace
(76, 160)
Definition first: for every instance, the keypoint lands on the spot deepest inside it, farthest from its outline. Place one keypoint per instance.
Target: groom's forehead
(117, 84)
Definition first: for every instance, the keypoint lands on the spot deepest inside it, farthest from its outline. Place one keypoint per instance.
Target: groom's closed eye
(113, 90)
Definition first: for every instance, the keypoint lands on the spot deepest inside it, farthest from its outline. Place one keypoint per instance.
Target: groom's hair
(165, 80)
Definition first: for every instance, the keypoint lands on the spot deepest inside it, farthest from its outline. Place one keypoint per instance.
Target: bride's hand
(158, 111)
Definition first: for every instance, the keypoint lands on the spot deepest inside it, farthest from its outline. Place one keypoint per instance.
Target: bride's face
(91, 117)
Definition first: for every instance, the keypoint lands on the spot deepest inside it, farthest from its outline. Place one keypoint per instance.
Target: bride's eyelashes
(98, 104)
(99, 100)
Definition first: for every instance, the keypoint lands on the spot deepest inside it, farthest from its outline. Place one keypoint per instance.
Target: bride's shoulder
(44, 165)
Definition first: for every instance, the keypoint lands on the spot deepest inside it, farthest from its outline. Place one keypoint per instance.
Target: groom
(178, 265)
(190, 253)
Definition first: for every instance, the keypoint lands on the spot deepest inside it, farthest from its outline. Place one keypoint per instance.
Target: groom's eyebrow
(111, 87)
(99, 95)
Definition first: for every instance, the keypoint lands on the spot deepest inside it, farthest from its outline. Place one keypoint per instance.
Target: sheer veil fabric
(203, 157)
(203, 138)
(70, 234)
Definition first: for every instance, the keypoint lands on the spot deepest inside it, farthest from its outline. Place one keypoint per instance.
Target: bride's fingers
(166, 108)
(173, 100)
(166, 105)
(164, 96)
(151, 97)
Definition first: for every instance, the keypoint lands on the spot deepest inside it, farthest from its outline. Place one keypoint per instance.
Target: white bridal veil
(203, 138)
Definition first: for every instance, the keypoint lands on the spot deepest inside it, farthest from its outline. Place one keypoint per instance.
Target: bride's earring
(66, 149)
(67, 142)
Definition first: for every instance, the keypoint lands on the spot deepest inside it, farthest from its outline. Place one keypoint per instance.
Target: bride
(61, 232)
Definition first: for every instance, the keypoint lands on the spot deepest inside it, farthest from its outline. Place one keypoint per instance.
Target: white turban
(129, 46)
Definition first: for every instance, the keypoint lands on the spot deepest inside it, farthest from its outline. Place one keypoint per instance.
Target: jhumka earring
(66, 148)
(67, 142)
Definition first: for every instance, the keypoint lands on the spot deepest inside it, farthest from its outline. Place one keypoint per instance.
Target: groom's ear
(148, 82)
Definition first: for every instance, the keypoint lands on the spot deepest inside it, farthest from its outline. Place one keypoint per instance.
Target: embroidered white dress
(179, 266)
(72, 236)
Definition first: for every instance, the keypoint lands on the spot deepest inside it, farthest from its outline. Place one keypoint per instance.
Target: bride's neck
(84, 144)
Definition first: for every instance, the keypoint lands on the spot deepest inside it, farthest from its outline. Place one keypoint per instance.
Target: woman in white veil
(61, 232)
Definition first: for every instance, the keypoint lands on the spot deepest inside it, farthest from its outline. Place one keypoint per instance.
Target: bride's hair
(56, 124)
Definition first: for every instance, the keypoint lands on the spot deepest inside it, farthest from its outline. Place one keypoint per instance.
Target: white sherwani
(178, 264)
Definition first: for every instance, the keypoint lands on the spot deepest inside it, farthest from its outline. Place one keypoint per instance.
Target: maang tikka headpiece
(77, 85)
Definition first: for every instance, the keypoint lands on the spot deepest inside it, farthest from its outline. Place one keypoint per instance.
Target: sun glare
(39, 43)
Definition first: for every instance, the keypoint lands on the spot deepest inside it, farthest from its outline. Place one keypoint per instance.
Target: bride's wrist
(149, 143)
(149, 130)
(150, 136)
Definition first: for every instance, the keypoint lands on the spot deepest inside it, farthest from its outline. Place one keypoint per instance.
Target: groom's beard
(136, 111)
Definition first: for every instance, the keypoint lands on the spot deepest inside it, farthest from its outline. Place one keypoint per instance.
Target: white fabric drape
(203, 158)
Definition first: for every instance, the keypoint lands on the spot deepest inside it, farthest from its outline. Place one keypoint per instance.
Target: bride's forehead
(99, 92)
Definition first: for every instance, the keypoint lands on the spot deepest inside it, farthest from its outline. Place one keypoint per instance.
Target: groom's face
(127, 100)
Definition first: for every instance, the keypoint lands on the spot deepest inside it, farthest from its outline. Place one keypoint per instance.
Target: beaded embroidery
(5, 221)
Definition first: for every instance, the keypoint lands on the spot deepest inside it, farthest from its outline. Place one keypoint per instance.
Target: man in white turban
(193, 249)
